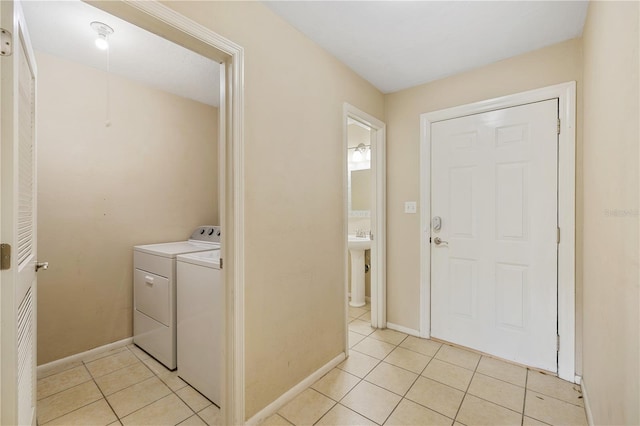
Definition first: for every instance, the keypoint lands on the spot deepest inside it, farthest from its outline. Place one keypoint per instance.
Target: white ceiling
(392, 44)
(62, 28)
(399, 44)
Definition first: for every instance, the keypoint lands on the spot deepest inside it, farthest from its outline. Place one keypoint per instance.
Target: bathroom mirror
(361, 189)
(359, 174)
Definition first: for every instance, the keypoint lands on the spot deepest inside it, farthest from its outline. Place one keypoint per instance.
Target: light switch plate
(410, 207)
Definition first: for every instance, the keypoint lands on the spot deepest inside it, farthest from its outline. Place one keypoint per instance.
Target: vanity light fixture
(104, 31)
(361, 152)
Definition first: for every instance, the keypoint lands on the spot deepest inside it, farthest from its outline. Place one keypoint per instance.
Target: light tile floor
(121, 387)
(391, 378)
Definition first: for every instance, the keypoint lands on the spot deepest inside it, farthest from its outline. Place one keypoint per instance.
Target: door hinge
(5, 256)
(558, 125)
(220, 263)
(558, 236)
(6, 43)
(558, 343)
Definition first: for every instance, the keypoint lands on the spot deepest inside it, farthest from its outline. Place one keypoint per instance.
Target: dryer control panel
(209, 234)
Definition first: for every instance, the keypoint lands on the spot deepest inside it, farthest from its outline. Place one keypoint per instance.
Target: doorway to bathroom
(365, 222)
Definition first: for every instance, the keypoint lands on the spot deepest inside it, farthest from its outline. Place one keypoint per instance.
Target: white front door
(18, 226)
(494, 275)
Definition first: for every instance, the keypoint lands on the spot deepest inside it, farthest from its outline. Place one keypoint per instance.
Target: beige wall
(295, 263)
(551, 65)
(149, 177)
(611, 278)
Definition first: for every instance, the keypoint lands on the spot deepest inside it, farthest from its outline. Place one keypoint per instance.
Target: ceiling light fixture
(104, 31)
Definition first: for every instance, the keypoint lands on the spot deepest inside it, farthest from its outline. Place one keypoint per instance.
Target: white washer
(200, 322)
(154, 292)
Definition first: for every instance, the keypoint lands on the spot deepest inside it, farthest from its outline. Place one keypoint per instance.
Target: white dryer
(154, 292)
(200, 322)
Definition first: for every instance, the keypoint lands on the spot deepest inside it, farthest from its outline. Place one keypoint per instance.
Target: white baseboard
(409, 331)
(45, 368)
(273, 408)
(585, 398)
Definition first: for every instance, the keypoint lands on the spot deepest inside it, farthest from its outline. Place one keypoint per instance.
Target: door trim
(164, 21)
(378, 216)
(566, 95)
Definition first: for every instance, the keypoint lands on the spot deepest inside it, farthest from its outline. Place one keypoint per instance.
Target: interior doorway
(161, 20)
(365, 221)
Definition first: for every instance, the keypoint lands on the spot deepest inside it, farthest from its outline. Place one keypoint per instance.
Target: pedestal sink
(357, 246)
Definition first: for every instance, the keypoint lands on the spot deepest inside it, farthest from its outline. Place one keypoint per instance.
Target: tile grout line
(102, 393)
(467, 391)
(75, 409)
(524, 401)
(402, 397)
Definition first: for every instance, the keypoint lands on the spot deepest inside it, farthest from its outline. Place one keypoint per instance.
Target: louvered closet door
(18, 210)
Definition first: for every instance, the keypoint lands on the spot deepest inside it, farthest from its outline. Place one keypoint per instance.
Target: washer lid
(171, 250)
(208, 259)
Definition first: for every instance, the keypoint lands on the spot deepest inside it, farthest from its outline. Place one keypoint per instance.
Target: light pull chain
(107, 122)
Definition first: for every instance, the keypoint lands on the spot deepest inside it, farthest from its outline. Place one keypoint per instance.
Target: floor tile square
(553, 411)
(528, 421)
(139, 353)
(111, 363)
(193, 398)
(557, 388)
(365, 317)
(59, 368)
(407, 359)
(423, 346)
(361, 327)
(355, 338)
(358, 364)
(449, 374)
(92, 357)
(62, 381)
(436, 396)
(133, 398)
(502, 370)
(64, 402)
(336, 384)
(392, 378)
(341, 415)
(459, 357)
(197, 421)
(172, 380)
(498, 392)
(356, 312)
(476, 411)
(168, 411)
(306, 408)
(96, 413)
(275, 420)
(375, 348)
(123, 378)
(158, 369)
(371, 401)
(211, 416)
(389, 336)
(410, 413)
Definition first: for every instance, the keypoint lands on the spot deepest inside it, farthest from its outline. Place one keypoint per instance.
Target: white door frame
(566, 95)
(378, 216)
(164, 21)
